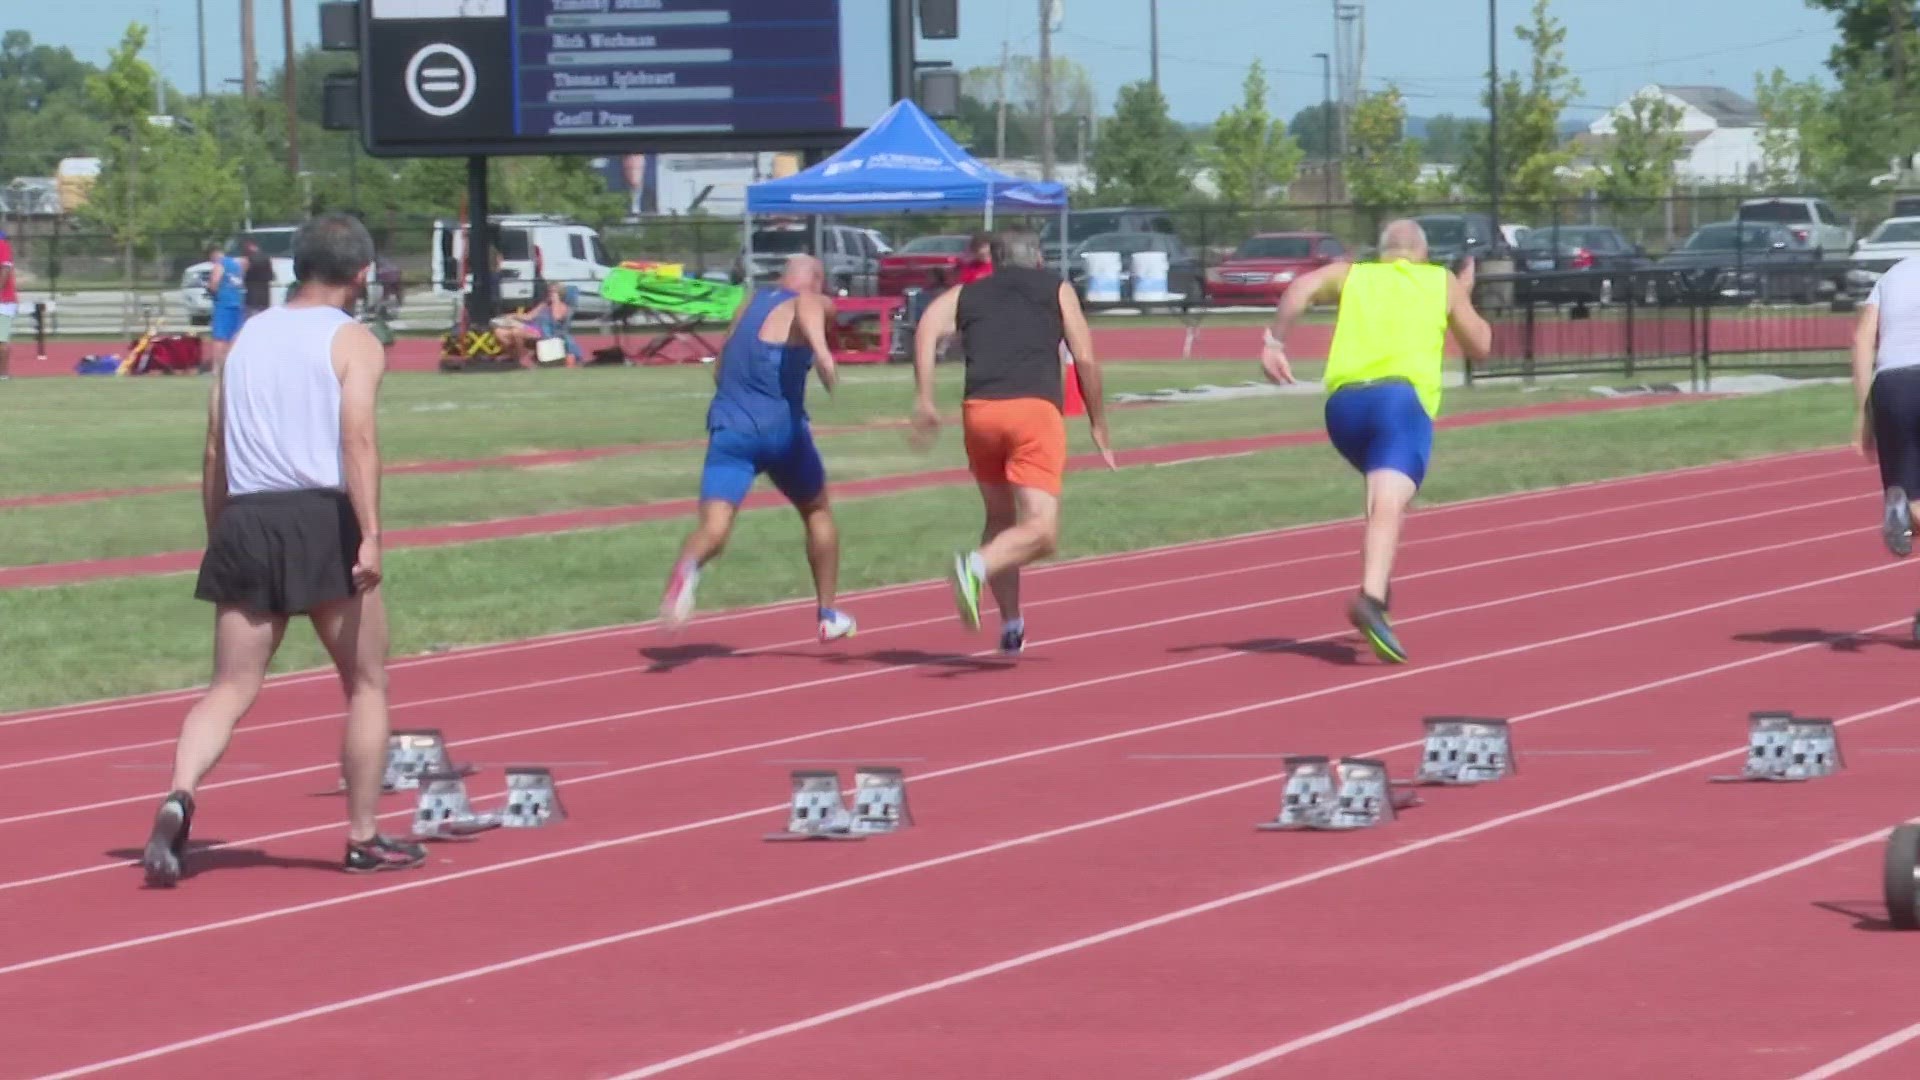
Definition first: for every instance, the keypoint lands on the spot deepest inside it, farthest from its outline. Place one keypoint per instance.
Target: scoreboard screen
(607, 76)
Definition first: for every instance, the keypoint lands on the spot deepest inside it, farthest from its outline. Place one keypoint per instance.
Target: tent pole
(746, 251)
(1066, 244)
(989, 207)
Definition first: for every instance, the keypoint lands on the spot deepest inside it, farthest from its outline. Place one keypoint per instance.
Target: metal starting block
(1323, 794)
(1784, 747)
(1466, 750)
(444, 813)
(879, 800)
(533, 799)
(413, 753)
(1903, 877)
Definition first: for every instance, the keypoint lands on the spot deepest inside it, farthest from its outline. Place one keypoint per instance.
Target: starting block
(817, 812)
(412, 754)
(533, 799)
(1466, 750)
(1903, 877)
(444, 812)
(879, 801)
(1323, 794)
(1784, 747)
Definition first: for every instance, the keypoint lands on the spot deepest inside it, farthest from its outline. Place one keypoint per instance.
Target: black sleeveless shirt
(1011, 328)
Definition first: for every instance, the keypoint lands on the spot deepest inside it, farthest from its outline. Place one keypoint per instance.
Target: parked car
(925, 262)
(1606, 257)
(1739, 261)
(1082, 224)
(1263, 266)
(276, 243)
(1895, 239)
(851, 255)
(1183, 266)
(1811, 223)
(1454, 237)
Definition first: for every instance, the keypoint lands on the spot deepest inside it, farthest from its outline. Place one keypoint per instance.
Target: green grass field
(133, 635)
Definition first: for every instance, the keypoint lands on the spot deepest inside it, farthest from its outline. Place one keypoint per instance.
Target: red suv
(1265, 265)
(927, 262)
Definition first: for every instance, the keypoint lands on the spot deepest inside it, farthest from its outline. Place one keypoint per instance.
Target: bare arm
(936, 323)
(812, 313)
(1322, 284)
(1866, 344)
(361, 362)
(1469, 329)
(213, 461)
(1085, 364)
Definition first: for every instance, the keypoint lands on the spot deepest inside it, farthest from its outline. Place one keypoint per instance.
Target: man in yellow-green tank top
(1383, 388)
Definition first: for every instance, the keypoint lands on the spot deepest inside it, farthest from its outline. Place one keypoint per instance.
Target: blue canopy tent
(904, 163)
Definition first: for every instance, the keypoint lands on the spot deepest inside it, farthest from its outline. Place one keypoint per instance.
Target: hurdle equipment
(817, 812)
(1782, 747)
(1903, 877)
(1326, 795)
(412, 753)
(1466, 750)
(879, 801)
(533, 799)
(445, 813)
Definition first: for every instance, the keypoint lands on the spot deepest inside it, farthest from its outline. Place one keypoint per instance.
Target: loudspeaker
(940, 19)
(939, 93)
(340, 27)
(340, 103)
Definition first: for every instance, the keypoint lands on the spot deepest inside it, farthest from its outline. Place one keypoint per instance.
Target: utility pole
(1153, 38)
(1046, 90)
(1000, 119)
(292, 92)
(1326, 126)
(1493, 114)
(249, 65)
(200, 28)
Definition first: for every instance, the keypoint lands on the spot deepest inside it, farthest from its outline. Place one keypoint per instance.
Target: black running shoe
(1013, 641)
(1896, 523)
(382, 853)
(167, 844)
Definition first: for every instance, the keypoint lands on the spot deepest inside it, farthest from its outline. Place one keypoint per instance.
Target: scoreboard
(604, 76)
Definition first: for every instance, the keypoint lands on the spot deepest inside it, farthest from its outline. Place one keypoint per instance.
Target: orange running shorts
(1019, 441)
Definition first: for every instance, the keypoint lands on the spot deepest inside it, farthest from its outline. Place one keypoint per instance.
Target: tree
(1532, 152)
(196, 192)
(1142, 155)
(1876, 37)
(1250, 151)
(121, 95)
(1787, 109)
(1447, 138)
(44, 111)
(1383, 165)
(1311, 128)
(1073, 97)
(1638, 163)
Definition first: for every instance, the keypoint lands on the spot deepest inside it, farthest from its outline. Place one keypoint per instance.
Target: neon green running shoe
(1369, 616)
(966, 590)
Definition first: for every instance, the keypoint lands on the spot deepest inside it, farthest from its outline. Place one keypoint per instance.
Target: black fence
(1674, 324)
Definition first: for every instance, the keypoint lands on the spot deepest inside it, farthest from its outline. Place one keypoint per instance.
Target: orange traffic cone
(1076, 403)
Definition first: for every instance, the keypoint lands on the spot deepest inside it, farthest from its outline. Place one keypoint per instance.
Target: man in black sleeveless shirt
(1011, 323)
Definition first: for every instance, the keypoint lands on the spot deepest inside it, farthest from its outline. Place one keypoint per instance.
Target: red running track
(1084, 893)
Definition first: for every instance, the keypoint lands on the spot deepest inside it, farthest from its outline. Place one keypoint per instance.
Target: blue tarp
(904, 162)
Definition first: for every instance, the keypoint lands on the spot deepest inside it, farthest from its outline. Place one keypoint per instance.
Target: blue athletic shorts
(1381, 426)
(736, 458)
(226, 322)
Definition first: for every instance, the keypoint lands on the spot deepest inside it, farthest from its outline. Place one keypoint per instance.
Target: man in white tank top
(291, 486)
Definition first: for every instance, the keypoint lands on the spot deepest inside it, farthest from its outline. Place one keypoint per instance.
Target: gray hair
(1018, 247)
(331, 249)
(1403, 236)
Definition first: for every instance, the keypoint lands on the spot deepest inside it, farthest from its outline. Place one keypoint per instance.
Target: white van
(533, 248)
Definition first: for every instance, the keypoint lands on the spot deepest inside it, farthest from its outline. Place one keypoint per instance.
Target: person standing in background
(9, 303)
(258, 281)
(226, 284)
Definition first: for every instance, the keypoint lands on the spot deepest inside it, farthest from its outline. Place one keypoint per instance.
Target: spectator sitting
(553, 318)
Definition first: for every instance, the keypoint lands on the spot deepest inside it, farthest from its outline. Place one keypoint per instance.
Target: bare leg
(702, 546)
(5, 361)
(823, 548)
(1034, 537)
(1388, 494)
(1002, 514)
(354, 632)
(243, 646)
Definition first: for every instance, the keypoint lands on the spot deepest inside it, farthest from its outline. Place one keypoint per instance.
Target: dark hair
(1018, 247)
(331, 250)
(981, 239)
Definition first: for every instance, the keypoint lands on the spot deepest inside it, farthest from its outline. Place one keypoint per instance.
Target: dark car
(1100, 221)
(1586, 262)
(1183, 266)
(1262, 267)
(1739, 261)
(1452, 238)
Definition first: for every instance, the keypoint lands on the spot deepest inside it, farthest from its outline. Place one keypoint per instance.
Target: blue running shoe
(1013, 639)
(1369, 616)
(1896, 523)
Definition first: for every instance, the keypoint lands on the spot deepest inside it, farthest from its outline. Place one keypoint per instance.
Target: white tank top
(282, 402)
(1897, 295)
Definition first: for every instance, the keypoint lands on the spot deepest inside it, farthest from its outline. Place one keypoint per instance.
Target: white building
(1721, 130)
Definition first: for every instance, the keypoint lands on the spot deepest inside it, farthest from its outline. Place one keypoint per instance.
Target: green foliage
(1311, 127)
(1073, 99)
(1143, 157)
(1532, 152)
(121, 96)
(44, 111)
(1448, 138)
(1250, 151)
(1835, 141)
(1639, 161)
(1877, 37)
(1383, 165)
(1787, 109)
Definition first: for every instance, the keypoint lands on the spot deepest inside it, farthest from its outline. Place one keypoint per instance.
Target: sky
(1434, 50)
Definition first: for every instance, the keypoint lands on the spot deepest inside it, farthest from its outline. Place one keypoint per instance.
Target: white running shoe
(835, 625)
(676, 608)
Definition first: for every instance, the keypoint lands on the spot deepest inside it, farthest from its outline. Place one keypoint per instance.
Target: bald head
(804, 274)
(1403, 238)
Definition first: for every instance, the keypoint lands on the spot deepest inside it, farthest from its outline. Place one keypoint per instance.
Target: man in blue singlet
(758, 424)
(227, 284)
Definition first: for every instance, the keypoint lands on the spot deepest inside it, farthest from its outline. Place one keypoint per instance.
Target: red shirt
(9, 293)
(972, 270)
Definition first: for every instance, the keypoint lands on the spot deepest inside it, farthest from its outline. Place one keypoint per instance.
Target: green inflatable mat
(708, 301)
